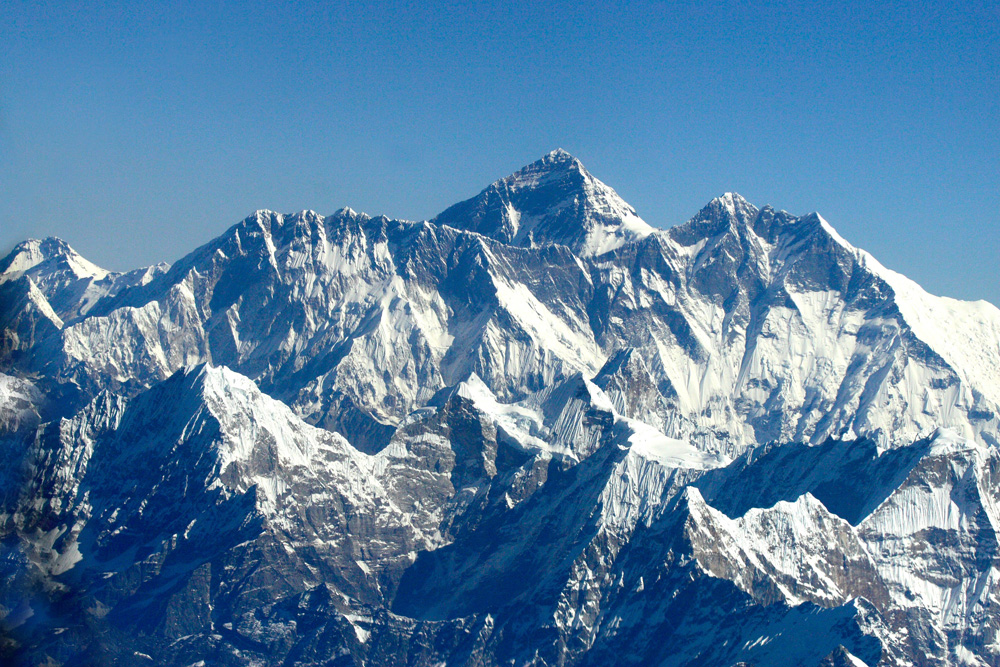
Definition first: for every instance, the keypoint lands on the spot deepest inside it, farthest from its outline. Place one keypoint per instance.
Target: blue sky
(138, 132)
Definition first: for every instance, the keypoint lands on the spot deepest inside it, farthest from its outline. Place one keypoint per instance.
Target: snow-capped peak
(733, 203)
(559, 154)
(34, 252)
(965, 334)
(559, 159)
(552, 200)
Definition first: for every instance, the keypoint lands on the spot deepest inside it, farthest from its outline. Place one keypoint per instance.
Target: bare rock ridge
(533, 430)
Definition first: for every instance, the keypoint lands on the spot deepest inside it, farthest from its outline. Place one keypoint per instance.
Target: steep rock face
(531, 431)
(26, 319)
(230, 481)
(795, 552)
(936, 545)
(19, 399)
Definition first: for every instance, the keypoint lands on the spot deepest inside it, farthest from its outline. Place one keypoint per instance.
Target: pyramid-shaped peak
(723, 214)
(559, 156)
(555, 167)
(735, 205)
(41, 249)
(552, 200)
(50, 252)
(732, 199)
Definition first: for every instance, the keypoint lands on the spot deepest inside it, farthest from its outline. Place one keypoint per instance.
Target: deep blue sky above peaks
(136, 131)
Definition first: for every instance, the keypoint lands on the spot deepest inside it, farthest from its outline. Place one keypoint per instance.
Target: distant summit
(552, 200)
(71, 283)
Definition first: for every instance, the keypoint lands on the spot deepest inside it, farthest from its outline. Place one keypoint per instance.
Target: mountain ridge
(739, 229)
(529, 431)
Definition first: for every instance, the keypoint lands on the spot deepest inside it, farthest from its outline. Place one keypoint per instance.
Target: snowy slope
(966, 334)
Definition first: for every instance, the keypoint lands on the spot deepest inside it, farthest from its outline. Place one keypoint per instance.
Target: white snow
(966, 334)
(647, 442)
(31, 253)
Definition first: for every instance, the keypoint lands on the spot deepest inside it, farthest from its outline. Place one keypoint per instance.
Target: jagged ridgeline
(531, 431)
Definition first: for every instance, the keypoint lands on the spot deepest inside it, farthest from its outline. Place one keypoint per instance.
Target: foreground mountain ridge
(532, 430)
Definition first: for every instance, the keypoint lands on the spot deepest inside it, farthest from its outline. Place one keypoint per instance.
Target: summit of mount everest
(534, 430)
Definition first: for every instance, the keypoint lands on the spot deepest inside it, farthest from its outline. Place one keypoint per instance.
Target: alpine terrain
(533, 430)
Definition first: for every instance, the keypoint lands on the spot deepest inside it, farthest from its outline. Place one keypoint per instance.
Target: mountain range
(534, 430)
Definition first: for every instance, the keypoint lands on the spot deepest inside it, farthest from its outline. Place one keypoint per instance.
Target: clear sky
(138, 130)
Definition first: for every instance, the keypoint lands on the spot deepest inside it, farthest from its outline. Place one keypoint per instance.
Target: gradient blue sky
(137, 131)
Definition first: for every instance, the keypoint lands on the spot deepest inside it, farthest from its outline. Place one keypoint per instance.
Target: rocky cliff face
(533, 430)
